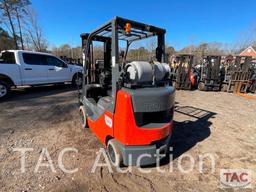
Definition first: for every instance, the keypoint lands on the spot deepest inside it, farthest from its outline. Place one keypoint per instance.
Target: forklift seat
(95, 91)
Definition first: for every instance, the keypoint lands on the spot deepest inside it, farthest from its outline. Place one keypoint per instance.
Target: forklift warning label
(108, 121)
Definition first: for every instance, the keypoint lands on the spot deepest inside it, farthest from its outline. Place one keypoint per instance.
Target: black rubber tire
(201, 86)
(190, 86)
(83, 117)
(224, 87)
(114, 153)
(243, 89)
(77, 80)
(5, 90)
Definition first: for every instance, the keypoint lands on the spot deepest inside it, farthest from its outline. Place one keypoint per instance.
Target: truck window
(54, 61)
(7, 58)
(33, 59)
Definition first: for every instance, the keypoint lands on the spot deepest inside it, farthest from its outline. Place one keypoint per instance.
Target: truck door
(58, 70)
(34, 69)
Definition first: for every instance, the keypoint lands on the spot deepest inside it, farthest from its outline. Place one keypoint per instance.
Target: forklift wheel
(83, 118)
(201, 86)
(224, 88)
(174, 84)
(114, 153)
(190, 86)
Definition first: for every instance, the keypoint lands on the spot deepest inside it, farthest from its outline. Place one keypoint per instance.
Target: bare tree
(214, 48)
(170, 51)
(245, 39)
(20, 10)
(7, 7)
(64, 50)
(35, 32)
(151, 47)
(67, 51)
(6, 42)
(188, 50)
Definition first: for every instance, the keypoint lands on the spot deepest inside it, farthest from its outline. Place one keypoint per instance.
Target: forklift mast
(182, 71)
(98, 72)
(238, 75)
(242, 63)
(210, 73)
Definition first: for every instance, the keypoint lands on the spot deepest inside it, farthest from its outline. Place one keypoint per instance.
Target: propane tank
(161, 71)
(144, 72)
(139, 71)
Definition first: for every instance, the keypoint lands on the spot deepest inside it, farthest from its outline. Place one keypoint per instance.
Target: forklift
(252, 83)
(211, 73)
(238, 75)
(184, 76)
(129, 106)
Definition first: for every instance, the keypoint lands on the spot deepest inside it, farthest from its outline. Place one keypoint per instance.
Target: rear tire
(5, 90)
(77, 80)
(114, 153)
(83, 117)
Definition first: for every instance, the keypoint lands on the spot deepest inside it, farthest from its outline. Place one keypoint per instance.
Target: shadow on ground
(37, 108)
(187, 134)
(38, 91)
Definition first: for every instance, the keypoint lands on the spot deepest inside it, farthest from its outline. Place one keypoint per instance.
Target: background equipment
(184, 76)
(210, 79)
(238, 75)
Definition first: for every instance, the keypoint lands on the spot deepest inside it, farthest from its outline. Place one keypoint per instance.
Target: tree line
(19, 27)
(147, 52)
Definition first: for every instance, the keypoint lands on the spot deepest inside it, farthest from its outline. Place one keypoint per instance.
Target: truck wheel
(77, 80)
(5, 90)
(114, 153)
(83, 117)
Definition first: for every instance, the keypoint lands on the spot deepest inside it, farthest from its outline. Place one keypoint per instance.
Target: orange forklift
(129, 106)
(185, 75)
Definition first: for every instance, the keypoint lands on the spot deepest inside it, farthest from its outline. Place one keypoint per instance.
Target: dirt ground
(220, 124)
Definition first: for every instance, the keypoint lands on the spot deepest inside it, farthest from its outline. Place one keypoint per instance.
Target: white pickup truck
(20, 68)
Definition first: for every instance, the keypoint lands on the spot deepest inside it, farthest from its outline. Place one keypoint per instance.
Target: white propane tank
(161, 71)
(140, 71)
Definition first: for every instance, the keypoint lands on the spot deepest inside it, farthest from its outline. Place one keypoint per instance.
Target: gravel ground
(46, 119)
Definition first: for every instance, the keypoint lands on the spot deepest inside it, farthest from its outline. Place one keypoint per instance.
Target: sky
(186, 21)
